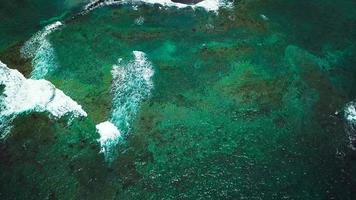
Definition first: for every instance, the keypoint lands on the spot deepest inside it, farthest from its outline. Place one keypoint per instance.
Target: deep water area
(250, 101)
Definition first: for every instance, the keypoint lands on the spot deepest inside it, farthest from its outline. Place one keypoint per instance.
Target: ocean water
(244, 99)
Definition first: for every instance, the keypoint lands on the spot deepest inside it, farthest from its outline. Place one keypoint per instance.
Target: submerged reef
(151, 99)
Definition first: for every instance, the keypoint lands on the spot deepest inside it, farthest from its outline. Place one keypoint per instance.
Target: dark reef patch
(12, 57)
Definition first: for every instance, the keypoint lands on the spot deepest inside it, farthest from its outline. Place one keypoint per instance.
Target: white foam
(209, 5)
(109, 137)
(40, 50)
(264, 17)
(52, 27)
(23, 95)
(93, 4)
(350, 116)
(132, 84)
(350, 113)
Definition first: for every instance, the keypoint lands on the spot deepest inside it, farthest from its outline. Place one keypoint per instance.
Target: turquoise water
(246, 103)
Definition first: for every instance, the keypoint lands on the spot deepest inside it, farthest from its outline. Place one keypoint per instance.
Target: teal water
(243, 104)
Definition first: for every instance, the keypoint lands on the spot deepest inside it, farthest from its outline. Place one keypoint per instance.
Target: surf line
(208, 5)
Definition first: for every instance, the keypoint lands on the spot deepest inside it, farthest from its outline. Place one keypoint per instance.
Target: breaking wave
(40, 50)
(110, 136)
(21, 95)
(208, 5)
(132, 84)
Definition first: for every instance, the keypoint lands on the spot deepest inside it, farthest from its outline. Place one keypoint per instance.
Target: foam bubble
(23, 95)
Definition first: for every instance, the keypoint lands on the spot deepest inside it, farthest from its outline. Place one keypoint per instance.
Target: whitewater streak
(40, 50)
(132, 84)
(208, 5)
(21, 95)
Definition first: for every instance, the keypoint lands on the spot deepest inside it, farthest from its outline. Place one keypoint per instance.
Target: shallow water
(243, 103)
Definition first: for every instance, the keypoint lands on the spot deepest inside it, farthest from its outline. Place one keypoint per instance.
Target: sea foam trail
(22, 95)
(132, 84)
(208, 5)
(350, 117)
(40, 50)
